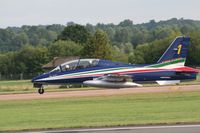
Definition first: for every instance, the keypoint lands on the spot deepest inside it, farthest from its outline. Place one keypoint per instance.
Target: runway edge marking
(116, 128)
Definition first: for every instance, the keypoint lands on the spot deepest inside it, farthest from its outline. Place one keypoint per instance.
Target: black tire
(41, 91)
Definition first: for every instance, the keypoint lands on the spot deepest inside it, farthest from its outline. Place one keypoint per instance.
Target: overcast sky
(35, 12)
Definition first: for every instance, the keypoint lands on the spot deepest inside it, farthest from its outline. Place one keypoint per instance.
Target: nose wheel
(41, 90)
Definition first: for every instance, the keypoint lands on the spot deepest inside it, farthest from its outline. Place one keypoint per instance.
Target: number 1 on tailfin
(178, 50)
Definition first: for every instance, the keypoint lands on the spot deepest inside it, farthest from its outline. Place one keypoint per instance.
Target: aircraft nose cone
(34, 79)
(37, 78)
(40, 77)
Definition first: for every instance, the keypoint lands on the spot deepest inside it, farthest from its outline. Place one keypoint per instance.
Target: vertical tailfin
(177, 50)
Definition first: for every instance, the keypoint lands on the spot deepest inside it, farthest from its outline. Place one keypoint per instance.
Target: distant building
(58, 61)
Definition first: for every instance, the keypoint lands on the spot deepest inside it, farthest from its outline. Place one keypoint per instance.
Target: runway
(100, 92)
(140, 129)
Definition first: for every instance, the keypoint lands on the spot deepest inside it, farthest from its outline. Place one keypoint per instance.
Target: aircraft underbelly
(152, 76)
(166, 75)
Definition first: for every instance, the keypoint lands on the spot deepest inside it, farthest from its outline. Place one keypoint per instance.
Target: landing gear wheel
(41, 90)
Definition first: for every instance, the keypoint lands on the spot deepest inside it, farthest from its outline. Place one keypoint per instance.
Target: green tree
(76, 33)
(118, 55)
(4, 62)
(32, 58)
(122, 35)
(137, 57)
(127, 48)
(98, 46)
(194, 49)
(64, 48)
(21, 39)
(126, 23)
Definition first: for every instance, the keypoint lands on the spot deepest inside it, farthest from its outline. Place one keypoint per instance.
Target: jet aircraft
(169, 69)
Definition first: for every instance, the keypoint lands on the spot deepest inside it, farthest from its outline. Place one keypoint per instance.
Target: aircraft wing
(116, 78)
(112, 81)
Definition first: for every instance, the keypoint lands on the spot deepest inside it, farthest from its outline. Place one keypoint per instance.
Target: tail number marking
(179, 49)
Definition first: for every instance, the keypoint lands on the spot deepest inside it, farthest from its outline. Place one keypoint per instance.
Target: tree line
(25, 49)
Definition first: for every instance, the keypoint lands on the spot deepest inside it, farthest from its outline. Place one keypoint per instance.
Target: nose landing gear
(41, 90)
(40, 86)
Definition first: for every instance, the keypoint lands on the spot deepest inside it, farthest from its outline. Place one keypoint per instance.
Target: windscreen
(79, 64)
(75, 65)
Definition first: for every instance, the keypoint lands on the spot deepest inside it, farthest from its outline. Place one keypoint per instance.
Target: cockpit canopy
(76, 64)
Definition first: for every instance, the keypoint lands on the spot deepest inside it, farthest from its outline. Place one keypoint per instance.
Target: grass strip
(100, 111)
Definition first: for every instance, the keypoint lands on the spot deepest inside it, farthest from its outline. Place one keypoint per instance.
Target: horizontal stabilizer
(167, 82)
(187, 69)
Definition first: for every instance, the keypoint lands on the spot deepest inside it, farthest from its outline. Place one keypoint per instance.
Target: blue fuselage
(80, 75)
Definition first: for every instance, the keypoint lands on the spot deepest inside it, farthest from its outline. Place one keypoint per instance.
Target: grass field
(100, 111)
(15, 85)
